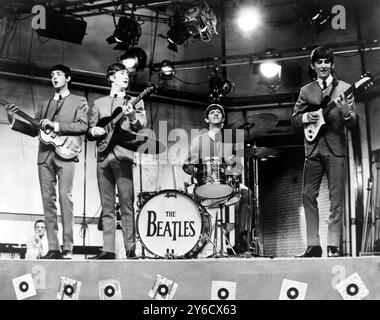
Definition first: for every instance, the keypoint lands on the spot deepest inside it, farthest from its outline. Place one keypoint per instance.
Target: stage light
(219, 87)
(134, 59)
(270, 69)
(317, 15)
(167, 70)
(248, 18)
(197, 22)
(176, 35)
(127, 33)
(63, 28)
(320, 20)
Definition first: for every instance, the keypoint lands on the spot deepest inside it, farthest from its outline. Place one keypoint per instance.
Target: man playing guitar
(65, 114)
(326, 153)
(115, 163)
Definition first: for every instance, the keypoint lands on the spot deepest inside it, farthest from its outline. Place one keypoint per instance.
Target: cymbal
(259, 152)
(231, 171)
(255, 124)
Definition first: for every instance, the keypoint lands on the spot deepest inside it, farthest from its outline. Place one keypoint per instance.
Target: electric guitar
(67, 147)
(109, 124)
(311, 130)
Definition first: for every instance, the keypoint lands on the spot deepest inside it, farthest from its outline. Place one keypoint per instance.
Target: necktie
(324, 83)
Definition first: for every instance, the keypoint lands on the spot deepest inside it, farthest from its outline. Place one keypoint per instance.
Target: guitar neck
(133, 103)
(22, 114)
(331, 104)
(28, 118)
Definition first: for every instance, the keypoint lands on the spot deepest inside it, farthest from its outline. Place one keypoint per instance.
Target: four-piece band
(176, 223)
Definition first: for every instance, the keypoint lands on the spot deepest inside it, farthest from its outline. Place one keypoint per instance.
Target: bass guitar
(109, 124)
(67, 147)
(311, 130)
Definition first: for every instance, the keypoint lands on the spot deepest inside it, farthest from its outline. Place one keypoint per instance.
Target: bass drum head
(170, 224)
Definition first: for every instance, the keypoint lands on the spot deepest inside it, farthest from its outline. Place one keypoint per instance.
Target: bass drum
(172, 225)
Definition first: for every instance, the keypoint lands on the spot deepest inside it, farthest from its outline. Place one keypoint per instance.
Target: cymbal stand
(256, 207)
(219, 218)
(84, 222)
(140, 204)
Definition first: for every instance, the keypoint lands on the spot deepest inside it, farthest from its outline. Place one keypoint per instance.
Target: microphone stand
(84, 223)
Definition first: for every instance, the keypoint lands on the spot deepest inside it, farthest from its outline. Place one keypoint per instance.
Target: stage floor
(194, 279)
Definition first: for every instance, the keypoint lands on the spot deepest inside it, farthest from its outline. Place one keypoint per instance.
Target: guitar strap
(334, 85)
(59, 106)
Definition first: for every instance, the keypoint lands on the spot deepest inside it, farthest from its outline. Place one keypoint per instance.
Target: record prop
(352, 288)
(292, 290)
(24, 286)
(109, 290)
(68, 289)
(223, 290)
(163, 288)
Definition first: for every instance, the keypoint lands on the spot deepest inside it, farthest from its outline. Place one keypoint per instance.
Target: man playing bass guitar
(115, 162)
(327, 152)
(65, 114)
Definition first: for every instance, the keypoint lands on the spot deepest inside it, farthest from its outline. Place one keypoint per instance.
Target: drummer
(214, 143)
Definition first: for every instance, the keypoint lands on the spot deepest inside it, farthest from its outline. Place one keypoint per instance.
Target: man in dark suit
(327, 153)
(64, 114)
(114, 168)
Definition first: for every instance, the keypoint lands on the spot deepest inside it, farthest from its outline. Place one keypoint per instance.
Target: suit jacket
(104, 107)
(334, 131)
(72, 118)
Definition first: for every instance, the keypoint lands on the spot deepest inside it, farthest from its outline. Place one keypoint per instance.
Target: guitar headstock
(3, 102)
(366, 82)
(153, 87)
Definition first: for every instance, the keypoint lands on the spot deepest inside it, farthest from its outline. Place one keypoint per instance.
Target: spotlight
(317, 16)
(218, 88)
(127, 33)
(134, 59)
(320, 21)
(176, 35)
(62, 27)
(270, 69)
(248, 18)
(197, 22)
(167, 70)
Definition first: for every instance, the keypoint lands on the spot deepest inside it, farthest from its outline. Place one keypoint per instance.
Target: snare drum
(212, 180)
(172, 224)
(231, 200)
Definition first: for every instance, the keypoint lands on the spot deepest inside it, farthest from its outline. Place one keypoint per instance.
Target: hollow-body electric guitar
(311, 130)
(109, 124)
(67, 147)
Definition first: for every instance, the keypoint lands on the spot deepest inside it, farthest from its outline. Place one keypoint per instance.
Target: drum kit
(177, 224)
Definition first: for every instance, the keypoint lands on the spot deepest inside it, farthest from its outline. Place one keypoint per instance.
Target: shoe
(311, 251)
(53, 254)
(104, 255)
(333, 251)
(67, 255)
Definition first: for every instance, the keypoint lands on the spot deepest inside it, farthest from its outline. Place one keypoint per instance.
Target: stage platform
(194, 279)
